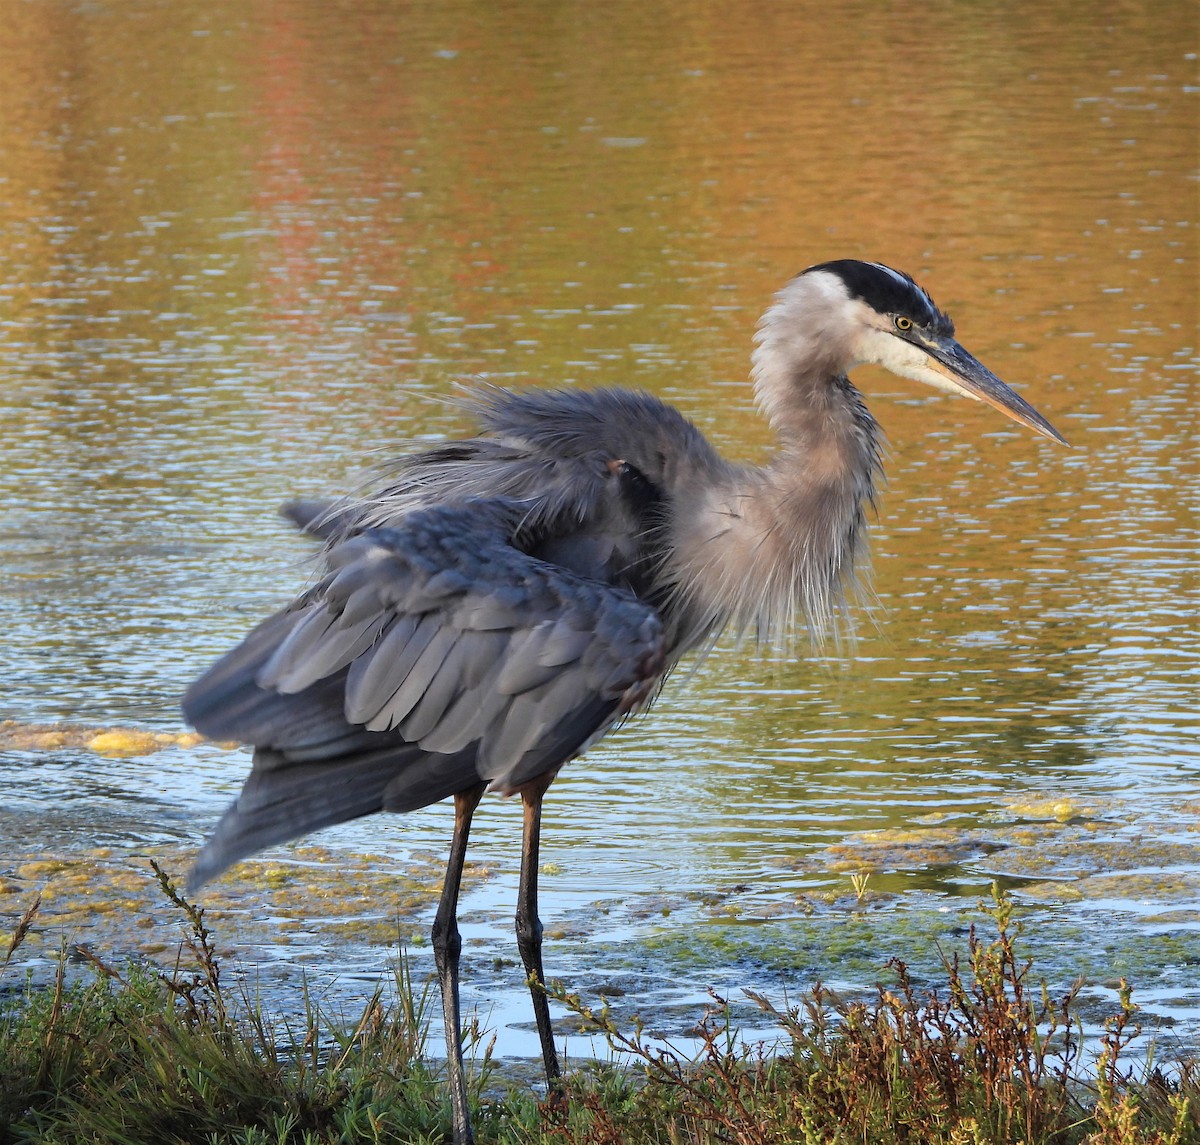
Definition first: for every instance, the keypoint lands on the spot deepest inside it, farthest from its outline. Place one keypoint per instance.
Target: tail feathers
(434, 778)
(281, 802)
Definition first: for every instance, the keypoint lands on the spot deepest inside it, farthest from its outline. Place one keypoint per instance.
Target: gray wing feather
(521, 669)
(503, 609)
(526, 720)
(413, 681)
(466, 720)
(319, 647)
(483, 660)
(372, 678)
(434, 654)
(307, 631)
(564, 645)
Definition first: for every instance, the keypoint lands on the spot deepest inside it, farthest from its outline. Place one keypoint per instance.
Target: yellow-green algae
(111, 902)
(1136, 888)
(1055, 849)
(897, 848)
(113, 742)
(1059, 807)
(1061, 849)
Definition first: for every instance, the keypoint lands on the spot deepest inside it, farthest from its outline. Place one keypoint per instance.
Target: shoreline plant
(140, 1056)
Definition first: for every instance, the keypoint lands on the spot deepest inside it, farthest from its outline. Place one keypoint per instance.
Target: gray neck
(772, 542)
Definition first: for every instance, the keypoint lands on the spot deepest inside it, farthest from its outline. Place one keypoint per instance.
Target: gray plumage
(440, 635)
(501, 602)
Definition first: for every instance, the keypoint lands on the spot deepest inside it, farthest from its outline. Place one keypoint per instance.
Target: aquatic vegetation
(336, 914)
(1058, 807)
(103, 899)
(1060, 849)
(112, 742)
(139, 1056)
(899, 848)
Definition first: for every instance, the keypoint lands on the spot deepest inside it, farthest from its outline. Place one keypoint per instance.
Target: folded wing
(435, 653)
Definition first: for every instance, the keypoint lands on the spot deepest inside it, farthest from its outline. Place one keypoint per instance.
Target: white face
(877, 345)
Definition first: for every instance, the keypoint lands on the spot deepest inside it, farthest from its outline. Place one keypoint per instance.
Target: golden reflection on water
(245, 247)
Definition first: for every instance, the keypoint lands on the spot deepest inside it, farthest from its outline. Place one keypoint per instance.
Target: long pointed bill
(965, 374)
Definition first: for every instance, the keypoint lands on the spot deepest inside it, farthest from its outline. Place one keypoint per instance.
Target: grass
(136, 1056)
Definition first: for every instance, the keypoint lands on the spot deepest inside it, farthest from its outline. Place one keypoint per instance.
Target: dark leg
(529, 926)
(446, 947)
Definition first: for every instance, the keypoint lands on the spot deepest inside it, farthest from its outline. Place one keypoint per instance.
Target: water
(245, 251)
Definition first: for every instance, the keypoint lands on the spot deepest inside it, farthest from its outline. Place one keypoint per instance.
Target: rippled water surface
(245, 249)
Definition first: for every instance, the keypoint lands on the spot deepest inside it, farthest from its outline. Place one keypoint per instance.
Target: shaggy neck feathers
(767, 544)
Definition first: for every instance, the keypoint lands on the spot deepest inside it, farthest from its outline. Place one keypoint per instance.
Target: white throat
(880, 347)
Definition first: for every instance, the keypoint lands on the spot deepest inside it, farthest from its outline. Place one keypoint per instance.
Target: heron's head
(840, 314)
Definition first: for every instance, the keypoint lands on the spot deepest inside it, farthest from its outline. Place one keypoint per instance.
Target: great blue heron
(505, 600)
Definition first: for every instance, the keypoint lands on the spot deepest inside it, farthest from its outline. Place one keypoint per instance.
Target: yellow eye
(903, 323)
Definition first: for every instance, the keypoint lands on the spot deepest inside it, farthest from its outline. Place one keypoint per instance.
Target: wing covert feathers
(434, 653)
